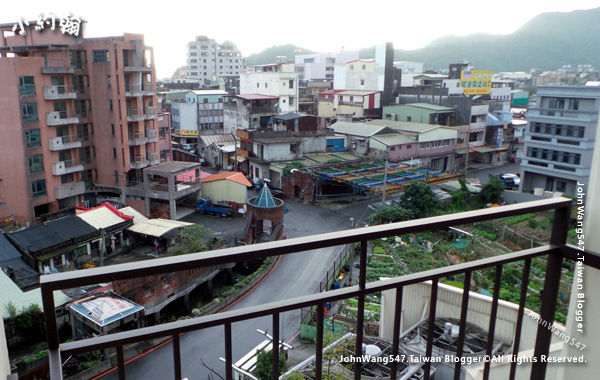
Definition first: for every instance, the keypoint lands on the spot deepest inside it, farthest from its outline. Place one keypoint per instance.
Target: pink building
(78, 114)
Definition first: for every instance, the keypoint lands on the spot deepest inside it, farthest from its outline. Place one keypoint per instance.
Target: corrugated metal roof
(394, 139)
(51, 233)
(157, 227)
(356, 129)
(405, 125)
(211, 139)
(289, 116)
(10, 256)
(257, 97)
(137, 217)
(11, 293)
(100, 217)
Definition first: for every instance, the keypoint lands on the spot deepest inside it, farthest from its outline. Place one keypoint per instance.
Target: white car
(515, 178)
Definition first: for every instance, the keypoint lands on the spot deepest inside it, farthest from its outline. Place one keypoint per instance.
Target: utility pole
(384, 184)
(102, 246)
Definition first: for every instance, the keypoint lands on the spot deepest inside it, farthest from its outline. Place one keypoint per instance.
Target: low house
(358, 135)
(226, 187)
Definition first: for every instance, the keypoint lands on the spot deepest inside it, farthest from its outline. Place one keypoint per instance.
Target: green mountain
(268, 55)
(547, 42)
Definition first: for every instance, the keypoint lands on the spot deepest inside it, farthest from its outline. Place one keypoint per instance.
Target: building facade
(278, 79)
(206, 57)
(320, 66)
(77, 113)
(559, 142)
(201, 111)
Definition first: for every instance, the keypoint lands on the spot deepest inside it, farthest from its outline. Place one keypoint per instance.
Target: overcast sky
(319, 25)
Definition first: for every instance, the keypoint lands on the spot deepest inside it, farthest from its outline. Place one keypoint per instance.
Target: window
(561, 186)
(114, 152)
(80, 108)
(32, 138)
(392, 149)
(257, 85)
(2, 205)
(29, 111)
(112, 129)
(85, 155)
(83, 133)
(26, 85)
(108, 81)
(573, 105)
(116, 174)
(408, 118)
(100, 56)
(424, 145)
(38, 188)
(408, 146)
(36, 163)
(67, 178)
(362, 82)
(364, 67)
(291, 83)
(265, 84)
(291, 100)
(351, 67)
(110, 105)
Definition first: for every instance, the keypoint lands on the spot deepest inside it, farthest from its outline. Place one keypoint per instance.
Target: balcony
(138, 69)
(58, 66)
(59, 92)
(554, 255)
(565, 115)
(138, 89)
(137, 138)
(137, 114)
(152, 135)
(69, 190)
(64, 142)
(138, 162)
(153, 158)
(66, 167)
(61, 118)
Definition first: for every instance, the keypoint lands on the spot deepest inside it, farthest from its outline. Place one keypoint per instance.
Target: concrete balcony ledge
(143, 69)
(59, 92)
(139, 162)
(66, 167)
(64, 142)
(60, 118)
(69, 190)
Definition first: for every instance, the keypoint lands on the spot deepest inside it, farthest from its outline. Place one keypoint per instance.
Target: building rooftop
(172, 167)
(289, 116)
(257, 97)
(405, 125)
(209, 92)
(236, 177)
(358, 129)
(394, 139)
(431, 107)
(213, 139)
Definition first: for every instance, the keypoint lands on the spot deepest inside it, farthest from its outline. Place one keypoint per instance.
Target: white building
(201, 111)
(206, 57)
(409, 69)
(321, 66)
(278, 79)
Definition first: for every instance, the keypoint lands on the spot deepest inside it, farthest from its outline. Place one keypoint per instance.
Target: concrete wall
(188, 116)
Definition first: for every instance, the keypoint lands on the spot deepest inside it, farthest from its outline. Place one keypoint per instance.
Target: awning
(462, 151)
(241, 159)
(157, 227)
(487, 149)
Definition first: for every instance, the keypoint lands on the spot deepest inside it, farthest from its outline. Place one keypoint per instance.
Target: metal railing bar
(522, 299)
(396, 334)
(275, 346)
(463, 324)
(120, 363)
(431, 326)
(295, 303)
(572, 252)
(171, 264)
(177, 357)
(228, 353)
(319, 343)
(360, 314)
(493, 314)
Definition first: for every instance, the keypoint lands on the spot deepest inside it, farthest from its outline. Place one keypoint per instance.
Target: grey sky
(320, 25)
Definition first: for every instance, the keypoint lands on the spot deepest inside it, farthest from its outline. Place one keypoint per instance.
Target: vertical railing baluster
(397, 332)
(319, 346)
(360, 318)
(431, 326)
(177, 357)
(523, 298)
(560, 227)
(120, 363)
(464, 308)
(275, 346)
(228, 353)
(492, 327)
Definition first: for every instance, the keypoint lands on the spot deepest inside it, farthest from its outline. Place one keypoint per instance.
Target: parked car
(515, 177)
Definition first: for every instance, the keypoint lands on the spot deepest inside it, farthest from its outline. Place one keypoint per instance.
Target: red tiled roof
(230, 176)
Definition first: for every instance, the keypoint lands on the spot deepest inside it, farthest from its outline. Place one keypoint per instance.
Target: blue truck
(206, 206)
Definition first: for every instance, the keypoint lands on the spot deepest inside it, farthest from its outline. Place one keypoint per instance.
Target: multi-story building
(250, 111)
(348, 105)
(319, 66)
(559, 142)
(277, 79)
(200, 112)
(77, 112)
(206, 57)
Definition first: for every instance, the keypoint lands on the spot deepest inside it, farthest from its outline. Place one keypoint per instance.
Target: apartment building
(201, 111)
(206, 57)
(277, 79)
(77, 113)
(320, 66)
(559, 142)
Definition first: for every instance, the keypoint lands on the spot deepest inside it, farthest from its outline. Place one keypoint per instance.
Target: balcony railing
(58, 66)
(59, 92)
(65, 142)
(138, 162)
(61, 118)
(555, 254)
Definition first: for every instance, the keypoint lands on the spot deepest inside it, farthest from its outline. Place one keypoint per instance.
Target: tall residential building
(77, 113)
(559, 142)
(320, 66)
(206, 57)
(277, 79)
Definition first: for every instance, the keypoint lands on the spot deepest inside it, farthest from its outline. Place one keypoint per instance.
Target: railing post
(319, 345)
(176, 357)
(493, 314)
(560, 227)
(397, 332)
(228, 353)
(463, 324)
(360, 318)
(120, 363)
(517, 339)
(431, 326)
(275, 346)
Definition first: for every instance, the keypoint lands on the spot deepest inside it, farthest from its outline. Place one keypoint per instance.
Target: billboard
(476, 82)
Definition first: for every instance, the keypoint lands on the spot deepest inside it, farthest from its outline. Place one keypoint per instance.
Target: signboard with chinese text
(188, 132)
(476, 82)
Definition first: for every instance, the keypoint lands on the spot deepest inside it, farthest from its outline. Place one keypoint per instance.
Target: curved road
(295, 275)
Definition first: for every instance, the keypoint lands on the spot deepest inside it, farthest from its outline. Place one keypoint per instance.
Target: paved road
(295, 275)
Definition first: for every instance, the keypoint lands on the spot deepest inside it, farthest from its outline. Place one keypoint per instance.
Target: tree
(264, 367)
(287, 170)
(390, 214)
(492, 191)
(420, 199)
(197, 238)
